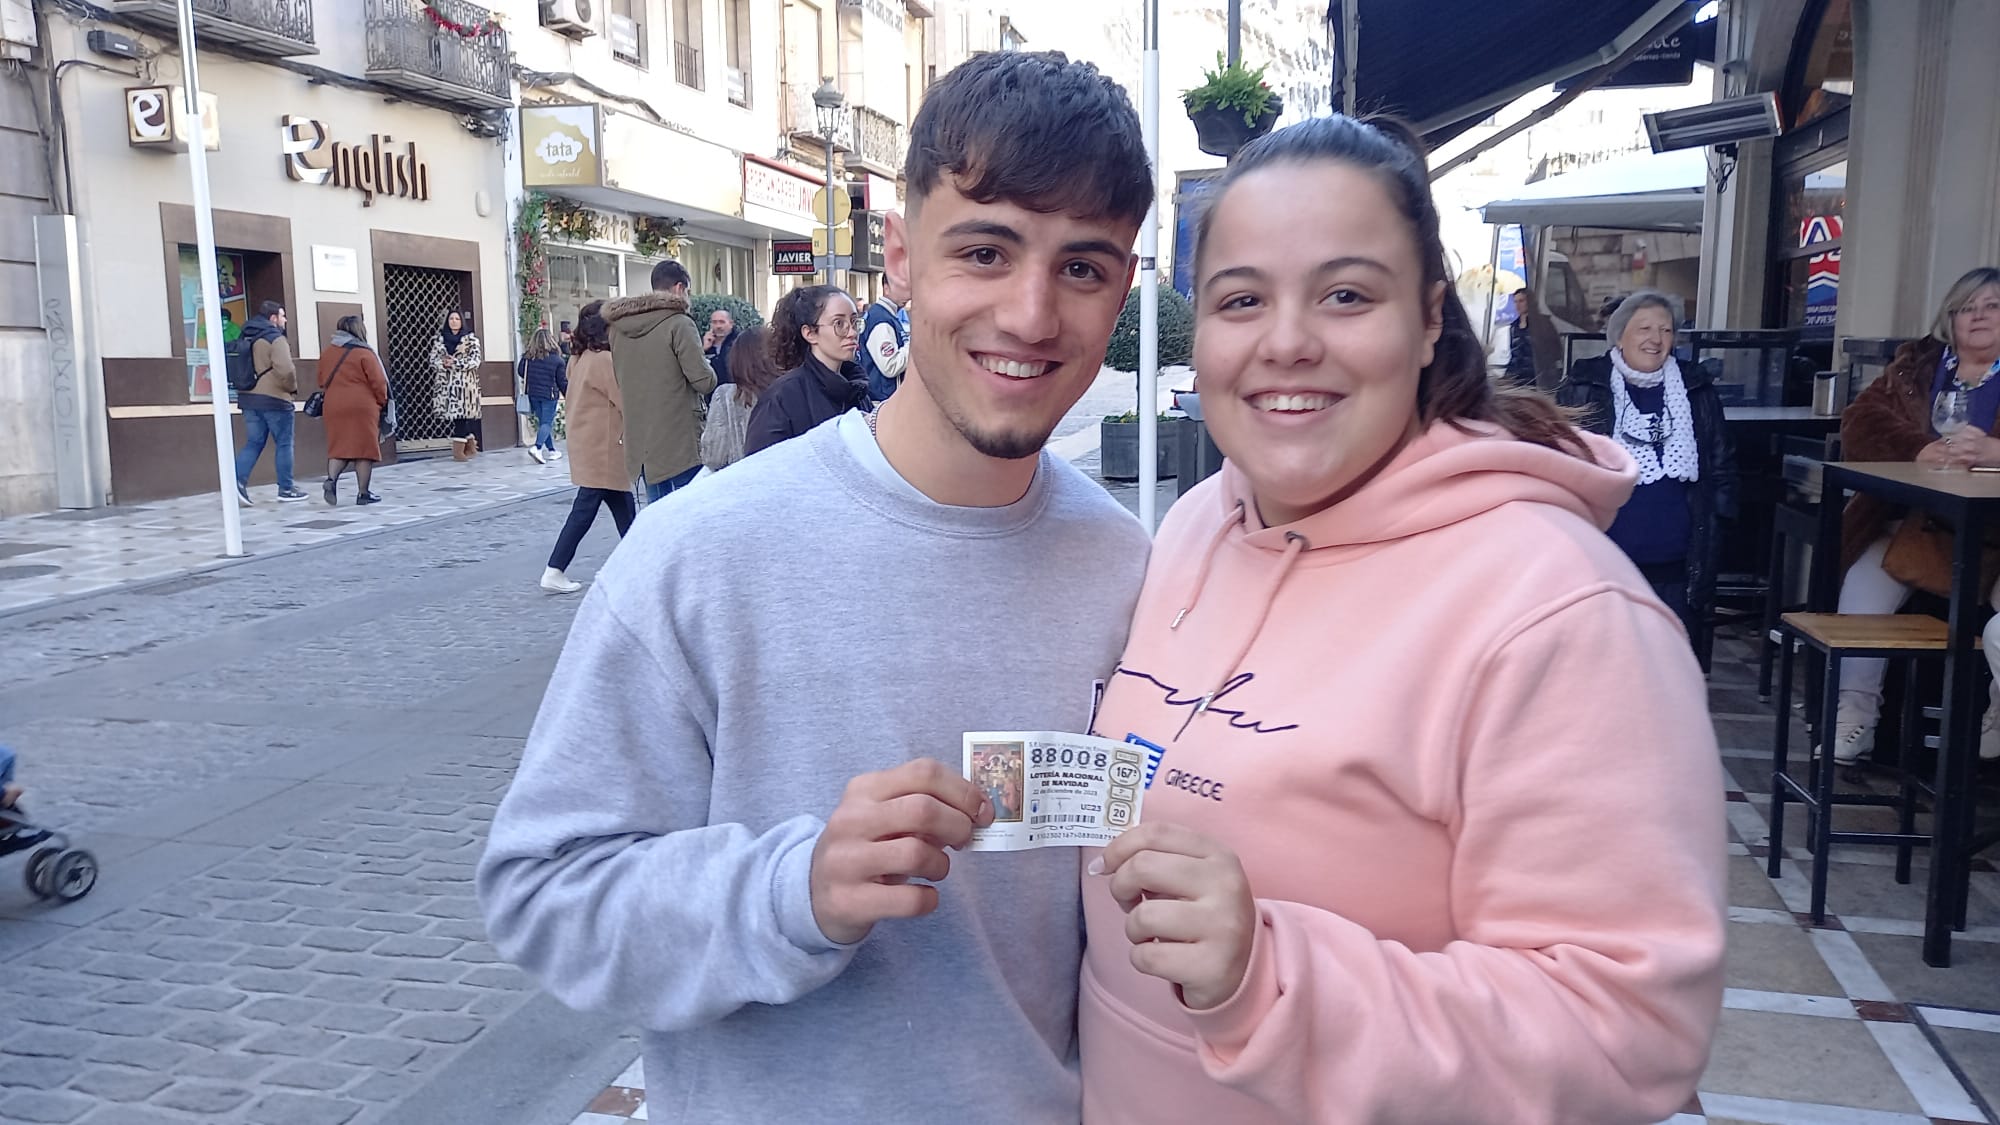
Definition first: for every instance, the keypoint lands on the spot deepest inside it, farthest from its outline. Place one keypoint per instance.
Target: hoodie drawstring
(1208, 559)
(1295, 545)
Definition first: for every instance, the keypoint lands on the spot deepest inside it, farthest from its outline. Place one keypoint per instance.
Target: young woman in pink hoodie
(1434, 828)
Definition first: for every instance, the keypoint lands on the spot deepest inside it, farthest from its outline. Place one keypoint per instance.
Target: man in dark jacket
(267, 407)
(722, 332)
(663, 379)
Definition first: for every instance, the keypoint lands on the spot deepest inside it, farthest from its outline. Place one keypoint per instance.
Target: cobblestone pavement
(286, 769)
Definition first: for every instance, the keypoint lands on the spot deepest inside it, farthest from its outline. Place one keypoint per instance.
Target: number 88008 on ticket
(1053, 790)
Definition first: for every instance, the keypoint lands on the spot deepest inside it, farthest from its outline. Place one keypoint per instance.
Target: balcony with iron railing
(688, 65)
(450, 50)
(878, 140)
(279, 28)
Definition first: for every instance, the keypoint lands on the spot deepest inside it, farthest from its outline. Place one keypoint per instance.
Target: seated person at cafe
(1670, 420)
(1886, 552)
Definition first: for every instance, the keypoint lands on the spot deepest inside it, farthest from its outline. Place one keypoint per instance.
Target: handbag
(1919, 555)
(388, 423)
(316, 401)
(522, 405)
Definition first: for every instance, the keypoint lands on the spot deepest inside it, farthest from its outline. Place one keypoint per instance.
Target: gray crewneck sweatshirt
(758, 640)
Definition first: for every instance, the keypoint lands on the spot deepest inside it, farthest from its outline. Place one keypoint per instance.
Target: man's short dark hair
(270, 309)
(1036, 130)
(670, 273)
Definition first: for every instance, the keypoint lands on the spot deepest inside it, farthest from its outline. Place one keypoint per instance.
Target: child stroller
(55, 870)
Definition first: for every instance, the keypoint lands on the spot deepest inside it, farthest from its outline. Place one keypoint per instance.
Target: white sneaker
(1852, 743)
(535, 451)
(1989, 735)
(555, 455)
(556, 581)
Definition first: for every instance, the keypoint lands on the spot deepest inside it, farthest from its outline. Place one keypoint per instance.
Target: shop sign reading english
(372, 170)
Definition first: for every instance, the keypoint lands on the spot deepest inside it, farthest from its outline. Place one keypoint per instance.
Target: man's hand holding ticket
(1050, 789)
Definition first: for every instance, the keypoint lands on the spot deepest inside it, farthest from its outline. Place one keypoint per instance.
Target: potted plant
(1118, 446)
(1232, 107)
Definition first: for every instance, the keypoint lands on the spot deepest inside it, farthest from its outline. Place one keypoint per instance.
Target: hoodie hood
(1447, 476)
(637, 316)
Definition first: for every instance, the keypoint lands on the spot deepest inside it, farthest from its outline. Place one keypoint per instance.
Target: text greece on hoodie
(758, 640)
(1465, 757)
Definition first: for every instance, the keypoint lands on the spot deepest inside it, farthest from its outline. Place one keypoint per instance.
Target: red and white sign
(766, 184)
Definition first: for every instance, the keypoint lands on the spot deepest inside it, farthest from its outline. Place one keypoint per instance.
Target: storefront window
(578, 277)
(1822, 80)
(1815, 206)
(1809, 204)
(719, 268)
(244, 279)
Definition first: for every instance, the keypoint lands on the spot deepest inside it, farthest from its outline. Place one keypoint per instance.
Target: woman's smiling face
(1313, 327)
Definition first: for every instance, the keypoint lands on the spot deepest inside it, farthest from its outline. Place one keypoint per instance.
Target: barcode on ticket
(1062, 818)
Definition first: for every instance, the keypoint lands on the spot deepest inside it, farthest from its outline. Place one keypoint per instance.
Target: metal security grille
(416, 300)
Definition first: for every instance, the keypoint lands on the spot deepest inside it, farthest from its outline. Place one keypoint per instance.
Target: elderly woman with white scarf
(1670, 419)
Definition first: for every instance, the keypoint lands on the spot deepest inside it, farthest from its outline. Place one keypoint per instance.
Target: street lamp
(827, 106)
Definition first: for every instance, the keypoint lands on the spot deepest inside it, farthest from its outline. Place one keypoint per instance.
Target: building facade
(376, 157)
(354, 166)
(1884, 186)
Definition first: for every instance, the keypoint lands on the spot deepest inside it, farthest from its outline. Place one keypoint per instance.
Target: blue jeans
(656, 491)
(544, 410)
(257, 426)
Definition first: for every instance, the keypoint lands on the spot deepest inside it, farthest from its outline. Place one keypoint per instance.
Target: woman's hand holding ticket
(1188, 910)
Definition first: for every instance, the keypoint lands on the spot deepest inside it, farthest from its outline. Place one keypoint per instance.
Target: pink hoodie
(1465, 758)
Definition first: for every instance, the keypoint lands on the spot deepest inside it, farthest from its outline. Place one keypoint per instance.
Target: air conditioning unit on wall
(575, 18)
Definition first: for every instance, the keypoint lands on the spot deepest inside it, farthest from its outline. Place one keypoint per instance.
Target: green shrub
(746, 314)
(1176, 331)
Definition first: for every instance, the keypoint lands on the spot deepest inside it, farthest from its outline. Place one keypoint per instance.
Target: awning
(1646, 191)
(1443, 65)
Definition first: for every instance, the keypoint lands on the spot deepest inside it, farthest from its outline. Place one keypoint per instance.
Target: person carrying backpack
(266, 381)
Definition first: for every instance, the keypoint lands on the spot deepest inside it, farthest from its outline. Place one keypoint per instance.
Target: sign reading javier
(560, 146)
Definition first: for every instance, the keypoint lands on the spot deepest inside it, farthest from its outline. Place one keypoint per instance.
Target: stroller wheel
(75, 872)
(38, 872)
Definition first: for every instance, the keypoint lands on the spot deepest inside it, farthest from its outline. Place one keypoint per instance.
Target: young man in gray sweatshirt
(738, 817)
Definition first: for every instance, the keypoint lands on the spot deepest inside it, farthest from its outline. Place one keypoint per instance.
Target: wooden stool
(1905, 638)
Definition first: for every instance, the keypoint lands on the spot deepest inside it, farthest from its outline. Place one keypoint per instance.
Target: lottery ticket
(1054, 790)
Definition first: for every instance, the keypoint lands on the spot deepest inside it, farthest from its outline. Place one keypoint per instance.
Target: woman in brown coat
(1885, 552)
(596, 423)
(357, 392)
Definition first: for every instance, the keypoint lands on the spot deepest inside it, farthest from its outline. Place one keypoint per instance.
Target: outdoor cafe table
(1969, 502)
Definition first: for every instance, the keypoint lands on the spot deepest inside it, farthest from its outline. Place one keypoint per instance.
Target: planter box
(1118, 449)
(1220, 132)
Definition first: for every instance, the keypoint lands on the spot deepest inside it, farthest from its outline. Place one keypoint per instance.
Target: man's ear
(896, 250)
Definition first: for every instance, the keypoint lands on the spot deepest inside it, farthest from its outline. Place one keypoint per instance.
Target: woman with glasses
(1884, 554)
(1670, 421)
(815, 331)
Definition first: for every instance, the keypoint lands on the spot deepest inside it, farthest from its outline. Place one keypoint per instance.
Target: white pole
(211, 294)
(1149, 284)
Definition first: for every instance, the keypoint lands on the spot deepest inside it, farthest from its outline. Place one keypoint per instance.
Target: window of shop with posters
(1809, 203)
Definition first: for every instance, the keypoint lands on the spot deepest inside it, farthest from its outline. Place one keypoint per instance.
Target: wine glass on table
(1949, 417)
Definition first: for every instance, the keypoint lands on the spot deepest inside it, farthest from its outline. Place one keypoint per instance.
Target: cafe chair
(1905, 639)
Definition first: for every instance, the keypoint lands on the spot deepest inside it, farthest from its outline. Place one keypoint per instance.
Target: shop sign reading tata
(373, 168)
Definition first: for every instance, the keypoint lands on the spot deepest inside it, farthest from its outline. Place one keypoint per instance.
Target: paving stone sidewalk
(286, 769)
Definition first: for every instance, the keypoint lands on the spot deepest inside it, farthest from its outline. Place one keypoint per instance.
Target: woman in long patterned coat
(455, 358)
